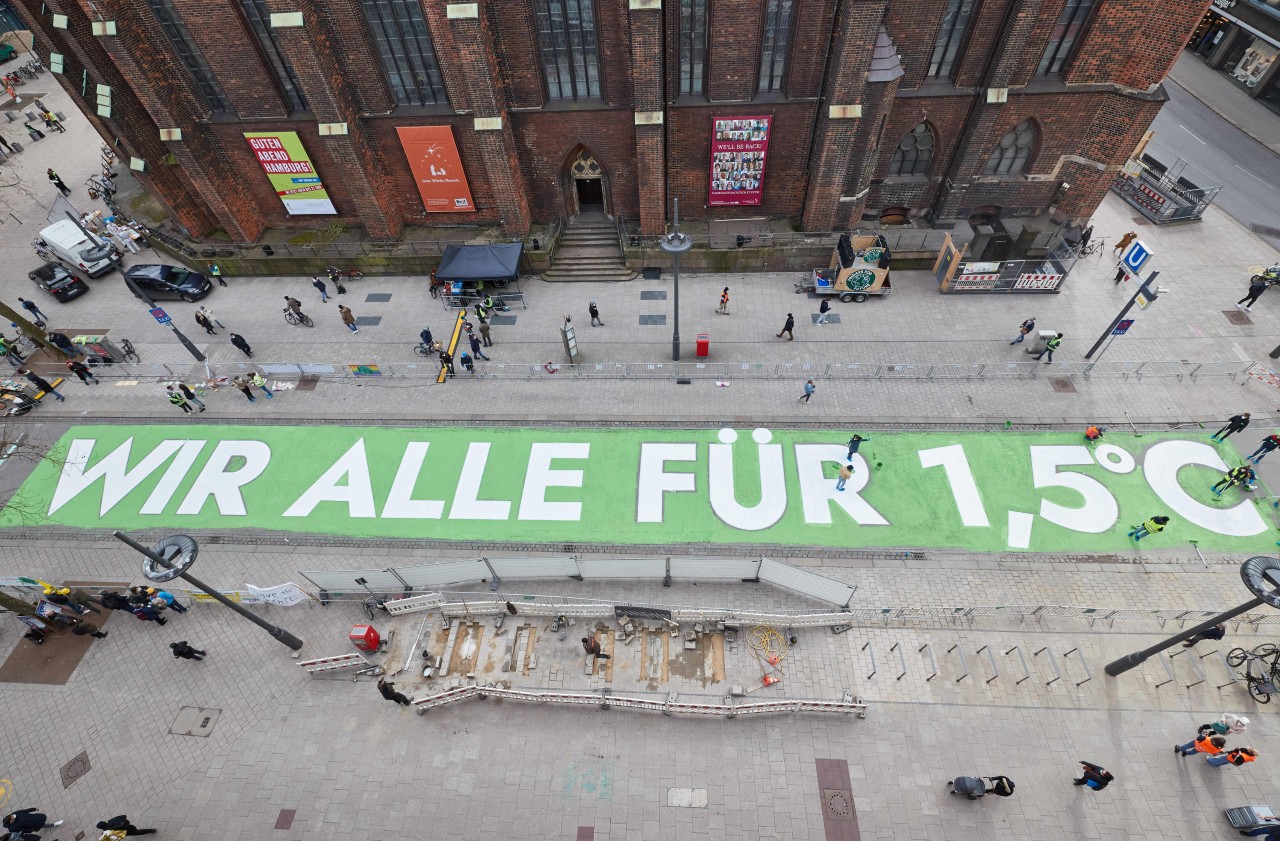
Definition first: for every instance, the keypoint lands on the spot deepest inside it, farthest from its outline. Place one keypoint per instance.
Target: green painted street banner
(992, 492)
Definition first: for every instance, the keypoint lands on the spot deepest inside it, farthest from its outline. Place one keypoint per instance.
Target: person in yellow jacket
(1153, 526)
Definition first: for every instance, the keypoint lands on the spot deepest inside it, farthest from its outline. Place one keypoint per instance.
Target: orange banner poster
(433, 157)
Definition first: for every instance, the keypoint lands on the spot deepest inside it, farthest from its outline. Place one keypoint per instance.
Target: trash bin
(703, 345)
(365, 637)
(1042, 339)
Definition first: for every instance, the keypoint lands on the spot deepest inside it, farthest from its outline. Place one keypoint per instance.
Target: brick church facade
(878, 110)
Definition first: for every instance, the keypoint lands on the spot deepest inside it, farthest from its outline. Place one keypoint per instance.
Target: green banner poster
(985, 492)
(289, 168)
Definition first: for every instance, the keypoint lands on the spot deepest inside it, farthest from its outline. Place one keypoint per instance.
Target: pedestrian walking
(1155, 525)
(203, 321)
(484, 334)
(824, 310)
(216, 272)
(788, 328)
(324, 290)
(1025, 328)
(208, 313)
(238, 341)
(854, 443)
(33, 308)
(1049, 347)
(170, 600)
(1234, 424)
(185, 391)
(724, 302)
(82, 371)
(84, 629)
(1123, 242)
(388, 691)
(1242, 475)
(446, 362)
(809, 389)
(35, 133)
(594, 312)
(261, 382)
(1268, 444)
(475, 348)
(468, 364)
(179, 400)
(591, 645)
(184, 650)
(147, 613)
(1256, 288)
(27, 820)
(51, 121)
(40, 383)
(1239, 756)
(5, 144)
(1094, 776)
(240, 383)
(846, 473)
(57, 182)
(1206, 743)
(348, 318)
(120, 823)
(1217, 632)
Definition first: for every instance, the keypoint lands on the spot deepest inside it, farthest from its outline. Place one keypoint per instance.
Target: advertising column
(738, 147)
(289, 168)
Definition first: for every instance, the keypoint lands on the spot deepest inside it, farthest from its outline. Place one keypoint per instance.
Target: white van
(70, 245)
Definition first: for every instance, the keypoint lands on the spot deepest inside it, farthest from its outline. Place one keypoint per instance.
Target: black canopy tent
(495, 264)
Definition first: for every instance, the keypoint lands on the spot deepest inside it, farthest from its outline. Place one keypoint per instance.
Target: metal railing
(556, 372)
(906, 239)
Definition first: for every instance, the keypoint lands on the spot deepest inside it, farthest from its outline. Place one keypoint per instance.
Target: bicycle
(1261, 686)
(1237, 657)
(374, 603)
(1095, 246)
(127, 351)
(296, 318)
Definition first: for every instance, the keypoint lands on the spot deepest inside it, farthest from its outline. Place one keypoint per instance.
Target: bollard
(866, 646)
(991, 657)
(1168, 670)
(1057, 673)
(1198, 669)
(902, 661)
(1026, 672)
(1088, 675)
(933, 660)
(964, 666)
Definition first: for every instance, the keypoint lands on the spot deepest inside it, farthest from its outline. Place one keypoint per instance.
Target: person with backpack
(1268, 444)
(1242, 475)
(31, 307)
(147, 613)
(468, 364)
(1093, 776)
(169, 600)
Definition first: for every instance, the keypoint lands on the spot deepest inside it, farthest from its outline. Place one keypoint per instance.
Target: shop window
(914, 154)
(955, 23)
(407, 52)
(1013, 152)
(693, 45)
(1255, 62)
(1065, 33)
(778, 18)
(567, 40)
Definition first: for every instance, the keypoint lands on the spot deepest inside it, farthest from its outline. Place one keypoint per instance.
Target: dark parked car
(169, 282)
(58, 282)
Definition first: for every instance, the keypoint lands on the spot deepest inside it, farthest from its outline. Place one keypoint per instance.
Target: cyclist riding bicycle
(295, 305)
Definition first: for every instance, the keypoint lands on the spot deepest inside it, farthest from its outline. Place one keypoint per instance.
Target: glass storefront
(1254, 62)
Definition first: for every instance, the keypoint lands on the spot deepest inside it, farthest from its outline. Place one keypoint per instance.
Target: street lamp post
(1261, 575)
(675, 244)
(172, 556)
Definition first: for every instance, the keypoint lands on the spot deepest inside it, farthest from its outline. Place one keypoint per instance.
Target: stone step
(572, 252)
(574, 274)
(589, 237)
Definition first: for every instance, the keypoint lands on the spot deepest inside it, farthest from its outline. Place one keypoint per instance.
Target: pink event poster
(738, 147)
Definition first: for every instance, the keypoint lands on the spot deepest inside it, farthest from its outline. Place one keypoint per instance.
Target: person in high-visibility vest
(1241, 475)
(1206, 743)
(1239, 756)
(1155, 525)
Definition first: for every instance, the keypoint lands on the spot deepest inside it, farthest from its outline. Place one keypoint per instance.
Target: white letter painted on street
(773, 487)
(117, 479)
(654, 481)
(173, 476)
(818, 492)
(466, 504)
(964, 489)
(1161, 465)
(400, 502)
(1099, 512)
(357, 491)
(222, 484)
(539, 476)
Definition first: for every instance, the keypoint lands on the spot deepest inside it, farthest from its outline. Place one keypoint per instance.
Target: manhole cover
(194, 721)
(308, 382)
(1238, 317)
(75, 769)
(837, 804)
(1063, 385)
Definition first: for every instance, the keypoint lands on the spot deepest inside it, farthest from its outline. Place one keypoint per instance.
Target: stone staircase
(589, 250)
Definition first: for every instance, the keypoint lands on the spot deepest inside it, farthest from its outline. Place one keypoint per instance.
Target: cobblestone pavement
(352, 765)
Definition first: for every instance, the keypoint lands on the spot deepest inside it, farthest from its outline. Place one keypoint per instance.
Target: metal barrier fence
(494, 570)
(906, 239)
(670, 704)
(1159, 184)
(191, 372)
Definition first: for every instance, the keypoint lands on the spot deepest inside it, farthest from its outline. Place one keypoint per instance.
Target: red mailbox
(704, 345)
(365, 637)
